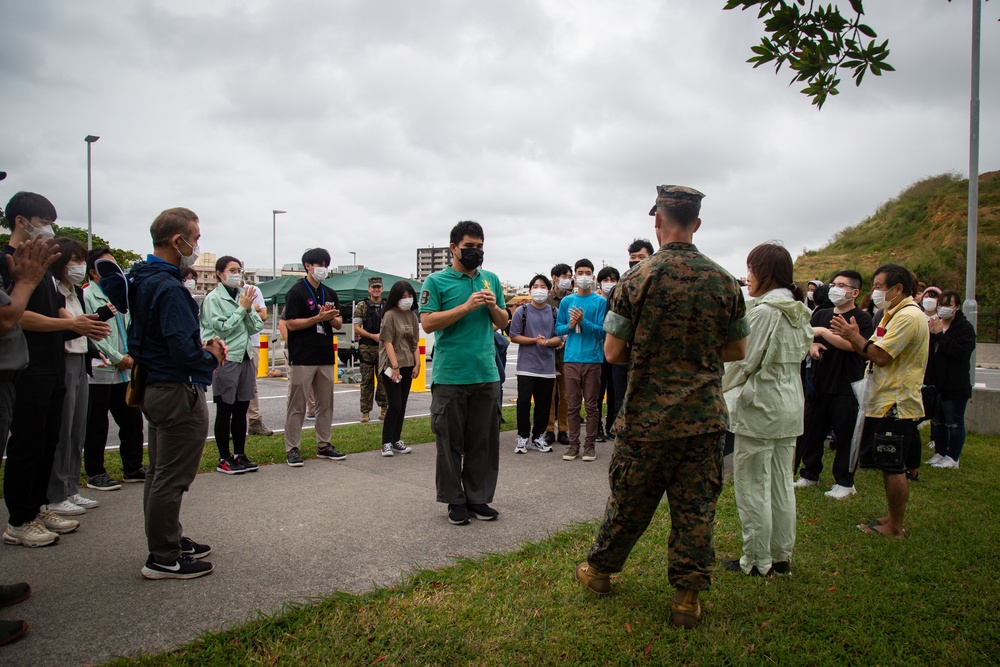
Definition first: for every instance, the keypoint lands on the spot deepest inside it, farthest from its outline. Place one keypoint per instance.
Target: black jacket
(948, 363)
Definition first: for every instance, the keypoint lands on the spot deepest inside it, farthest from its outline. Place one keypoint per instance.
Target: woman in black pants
(398, 361)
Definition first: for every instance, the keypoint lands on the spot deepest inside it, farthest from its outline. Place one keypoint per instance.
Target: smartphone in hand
(104, 313)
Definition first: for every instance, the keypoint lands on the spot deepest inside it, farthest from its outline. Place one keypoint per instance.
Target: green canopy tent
(353, 286)
(274, 291)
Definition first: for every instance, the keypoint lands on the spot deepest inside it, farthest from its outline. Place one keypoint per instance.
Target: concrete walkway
(279, 535)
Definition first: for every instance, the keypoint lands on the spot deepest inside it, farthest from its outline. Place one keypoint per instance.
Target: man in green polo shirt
(462, 304)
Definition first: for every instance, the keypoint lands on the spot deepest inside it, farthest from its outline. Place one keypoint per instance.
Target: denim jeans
(948, 427)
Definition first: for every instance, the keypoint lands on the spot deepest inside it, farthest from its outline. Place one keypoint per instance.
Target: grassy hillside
(924, 229)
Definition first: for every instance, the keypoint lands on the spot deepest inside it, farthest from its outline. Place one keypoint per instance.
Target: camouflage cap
(675, 194)
(375, 280)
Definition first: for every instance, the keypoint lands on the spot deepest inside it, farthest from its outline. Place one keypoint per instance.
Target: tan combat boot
(593, 580)
(364, 418)
(686, 610)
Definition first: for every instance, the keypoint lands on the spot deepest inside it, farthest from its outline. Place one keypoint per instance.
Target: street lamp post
(354, 258)
(274, 272)
(90, 222)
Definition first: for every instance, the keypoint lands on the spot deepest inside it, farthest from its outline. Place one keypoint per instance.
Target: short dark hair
(772, 266)
(561, 269)
(222, 262)
(608, 272)
(896, 275)
(950, 296)
(639, 244)
(170, 222)
(583, 262)
(188, 271)
(399, 290)
(95, 255)
(548, 283)
(68, 249)
(316, 256)
(683, 212)
(29, 205)
(853, 276)
(466, 228)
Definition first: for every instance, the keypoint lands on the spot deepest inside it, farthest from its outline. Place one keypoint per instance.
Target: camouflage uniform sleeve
(360, 311)
(618, 320)
(739, 328)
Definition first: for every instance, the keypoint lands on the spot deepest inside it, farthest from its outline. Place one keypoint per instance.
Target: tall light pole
(970, 307)
(274, 272)
(354, 258)
(90, 222)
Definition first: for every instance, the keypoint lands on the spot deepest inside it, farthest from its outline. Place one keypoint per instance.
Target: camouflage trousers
(369, 364)
(689, 472)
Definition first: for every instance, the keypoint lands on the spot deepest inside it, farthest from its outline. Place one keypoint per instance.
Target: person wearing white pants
(764, 395)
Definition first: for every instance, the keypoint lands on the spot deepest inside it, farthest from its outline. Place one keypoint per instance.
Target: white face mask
(878, 298)
(233, 280)
(584, 282)
(190, 284)
(189, 260)
(539, 295)
(809, 295)
(45, 232)
(320, 273)
(838, 296)
(929, 303)
(406, 304)
(946, 312)
(75, 273)
(564, 283)
(606, 287)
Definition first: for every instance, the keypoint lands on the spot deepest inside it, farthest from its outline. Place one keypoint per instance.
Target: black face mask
(632, 262)
(472, 258)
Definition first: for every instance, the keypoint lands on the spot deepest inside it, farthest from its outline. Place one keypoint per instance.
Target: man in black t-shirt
(312, 312)
(830, 401)
(40, 387)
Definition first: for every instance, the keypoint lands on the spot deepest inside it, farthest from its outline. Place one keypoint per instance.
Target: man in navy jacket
(174, 369)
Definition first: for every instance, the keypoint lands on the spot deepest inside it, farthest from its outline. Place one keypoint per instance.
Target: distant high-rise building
(431, 260)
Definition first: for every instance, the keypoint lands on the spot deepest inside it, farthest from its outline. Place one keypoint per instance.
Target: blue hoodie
(164, 336)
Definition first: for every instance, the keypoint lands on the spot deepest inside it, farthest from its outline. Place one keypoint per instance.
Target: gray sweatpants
(466, 420)
(65, 478)
(178, 424)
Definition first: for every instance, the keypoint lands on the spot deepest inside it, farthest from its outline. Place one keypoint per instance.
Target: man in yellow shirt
(897, 351)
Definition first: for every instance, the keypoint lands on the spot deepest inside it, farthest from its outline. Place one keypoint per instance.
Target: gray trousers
(305, 381)
(466, 420)
(178, 424)
(65, 478)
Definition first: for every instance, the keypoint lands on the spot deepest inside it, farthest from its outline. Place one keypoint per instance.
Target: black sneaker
(294, 459)
(184, 567)
(103, 482)
(329, 452)
(135, 476)
(482, 512)
(247, 464)
(550, 437)
(563, 438)
(14, 593)
(230, 466)
(11, 631)
(192, 549)
(458, 515)
(734, 566)
(600, 435)
(781, 567)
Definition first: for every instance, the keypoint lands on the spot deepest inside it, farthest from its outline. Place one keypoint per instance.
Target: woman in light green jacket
(764, 394)
(228, 312)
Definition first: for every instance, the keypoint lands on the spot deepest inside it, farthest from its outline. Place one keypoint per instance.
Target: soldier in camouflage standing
(674, 319)
(367, 324)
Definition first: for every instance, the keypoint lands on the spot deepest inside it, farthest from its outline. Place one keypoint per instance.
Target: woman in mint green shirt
(228, 312)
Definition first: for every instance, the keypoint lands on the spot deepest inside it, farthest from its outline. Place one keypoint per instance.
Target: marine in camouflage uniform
(366, 322)
(678, 310)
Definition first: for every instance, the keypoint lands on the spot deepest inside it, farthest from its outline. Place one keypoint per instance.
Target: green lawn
(853, 599)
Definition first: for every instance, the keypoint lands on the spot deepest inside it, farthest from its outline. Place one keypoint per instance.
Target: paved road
(279, 535)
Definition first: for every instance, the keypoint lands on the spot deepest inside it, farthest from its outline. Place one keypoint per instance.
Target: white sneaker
(934, 460)
(522, 446)
(386, 449)
(540, 444)
(838, 492)
(31, 534)
(400, 447)
(85, 503)
(802, 482)
(56, 523)
(947, 462)
(66, 508)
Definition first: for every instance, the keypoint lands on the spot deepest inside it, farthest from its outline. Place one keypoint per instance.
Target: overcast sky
(378, 124)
